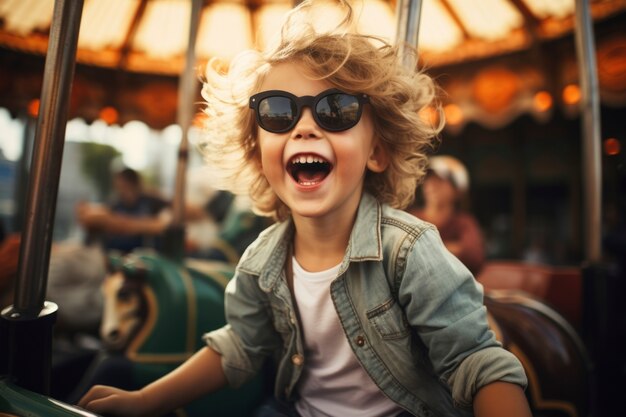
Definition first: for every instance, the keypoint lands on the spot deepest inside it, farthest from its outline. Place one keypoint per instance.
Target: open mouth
(309, 170)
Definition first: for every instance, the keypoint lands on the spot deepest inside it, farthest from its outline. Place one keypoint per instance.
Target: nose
(306, 128)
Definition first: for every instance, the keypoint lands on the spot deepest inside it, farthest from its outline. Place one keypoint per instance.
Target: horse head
(124, 307)
(157, 309)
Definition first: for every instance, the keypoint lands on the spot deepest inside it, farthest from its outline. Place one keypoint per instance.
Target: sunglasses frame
(306, 101)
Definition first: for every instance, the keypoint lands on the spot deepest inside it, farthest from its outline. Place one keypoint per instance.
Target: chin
(309, 214)
(309, 210)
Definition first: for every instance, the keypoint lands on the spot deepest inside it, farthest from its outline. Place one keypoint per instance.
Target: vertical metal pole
(47, 157)
(23, 167)
(591, 146)
(186, 93)
(408, 16)
(602, 285)
(26, 326)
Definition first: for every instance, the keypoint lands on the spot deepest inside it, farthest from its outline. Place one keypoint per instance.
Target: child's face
(315, 172)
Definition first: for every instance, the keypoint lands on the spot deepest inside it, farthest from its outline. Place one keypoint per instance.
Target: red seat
(560, 287)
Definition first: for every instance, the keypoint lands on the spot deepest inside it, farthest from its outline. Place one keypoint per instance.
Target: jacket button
(292, 318)
(360, 341)
(297, 359)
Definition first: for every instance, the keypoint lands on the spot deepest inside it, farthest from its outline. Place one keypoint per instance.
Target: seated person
(133, 220)
(445, 185)
(219, 226)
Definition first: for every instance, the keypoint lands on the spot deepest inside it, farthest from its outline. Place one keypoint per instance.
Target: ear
(378, 160)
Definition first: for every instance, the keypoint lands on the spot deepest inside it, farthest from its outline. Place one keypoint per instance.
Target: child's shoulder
(266, 244)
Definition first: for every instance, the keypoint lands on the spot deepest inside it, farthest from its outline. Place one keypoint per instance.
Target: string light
(612, 146)
(109, 115)
(542, 101)
(33, 107)
(571, 94)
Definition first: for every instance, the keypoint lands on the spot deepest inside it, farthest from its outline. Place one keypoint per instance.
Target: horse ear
(135, 271)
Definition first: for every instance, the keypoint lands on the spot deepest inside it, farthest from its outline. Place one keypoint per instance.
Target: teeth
(307, 159)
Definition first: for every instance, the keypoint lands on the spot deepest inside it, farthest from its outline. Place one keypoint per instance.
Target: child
(359, 303)
(443, 189)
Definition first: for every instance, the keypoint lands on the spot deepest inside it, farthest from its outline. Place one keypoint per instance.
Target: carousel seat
(560, 287)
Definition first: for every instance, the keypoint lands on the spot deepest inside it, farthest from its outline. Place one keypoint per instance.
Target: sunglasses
(333, 110)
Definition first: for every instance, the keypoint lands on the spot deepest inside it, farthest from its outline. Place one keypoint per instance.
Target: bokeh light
(612, 146)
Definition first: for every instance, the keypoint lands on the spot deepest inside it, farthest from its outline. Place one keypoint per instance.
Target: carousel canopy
(133, 50)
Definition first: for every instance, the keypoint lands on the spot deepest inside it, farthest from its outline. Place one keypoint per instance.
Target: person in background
(443, 189)
(134, 219)
(218, 225)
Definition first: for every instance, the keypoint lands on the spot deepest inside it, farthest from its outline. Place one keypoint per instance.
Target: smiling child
(359, 304)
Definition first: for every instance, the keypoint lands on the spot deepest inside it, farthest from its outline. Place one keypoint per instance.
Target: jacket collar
(366, 238)
(265, 258)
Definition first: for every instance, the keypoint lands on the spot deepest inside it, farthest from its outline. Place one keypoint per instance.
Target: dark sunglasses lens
(276, 114)
(338, 111)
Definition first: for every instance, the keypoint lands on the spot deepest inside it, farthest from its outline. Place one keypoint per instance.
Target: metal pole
(602, 284)
(46, 160)
(26, 326)
(186, 93)
(591, 146)
(408, 24)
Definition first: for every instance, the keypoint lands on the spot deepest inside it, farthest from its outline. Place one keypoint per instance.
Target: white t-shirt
(333, 383)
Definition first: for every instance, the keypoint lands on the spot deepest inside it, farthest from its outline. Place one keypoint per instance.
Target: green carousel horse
(155, 313)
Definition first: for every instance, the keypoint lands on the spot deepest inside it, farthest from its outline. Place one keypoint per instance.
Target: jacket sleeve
(444, 305)
(249, 337)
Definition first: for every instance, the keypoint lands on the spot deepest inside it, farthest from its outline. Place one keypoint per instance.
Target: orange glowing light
(454, 114)
(571, 94)
(33, 107)
(109, 115)
(612, 146)
(542, 101)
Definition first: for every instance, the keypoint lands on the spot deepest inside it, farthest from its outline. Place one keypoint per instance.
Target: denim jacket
(412, 313)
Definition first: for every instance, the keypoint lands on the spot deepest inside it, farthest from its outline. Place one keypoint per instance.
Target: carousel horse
(155, 312)
(552, 353)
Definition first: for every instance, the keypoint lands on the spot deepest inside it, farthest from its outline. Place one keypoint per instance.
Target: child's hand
(101, 399)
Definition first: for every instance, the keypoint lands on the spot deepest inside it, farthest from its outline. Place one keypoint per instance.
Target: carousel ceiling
(128, 44)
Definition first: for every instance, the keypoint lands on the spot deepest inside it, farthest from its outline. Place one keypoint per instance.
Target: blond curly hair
(352, 62)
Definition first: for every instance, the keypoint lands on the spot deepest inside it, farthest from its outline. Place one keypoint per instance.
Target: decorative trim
(538, 402)
(192, 309)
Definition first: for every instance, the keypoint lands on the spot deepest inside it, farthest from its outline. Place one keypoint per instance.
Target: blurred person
(205, 210)
(218, 225)
(134, 219)
(443, 189)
